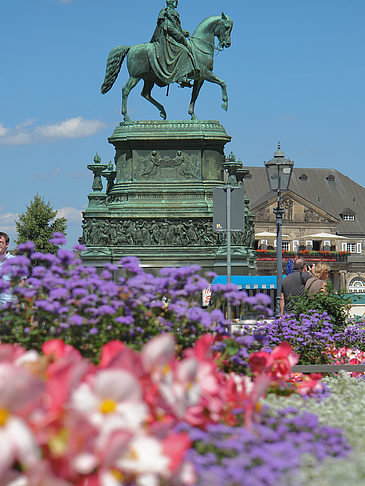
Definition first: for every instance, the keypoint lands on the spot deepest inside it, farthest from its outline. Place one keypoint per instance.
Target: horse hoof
(193, 117)
(163, 115)
(127, 118)
(225, 106)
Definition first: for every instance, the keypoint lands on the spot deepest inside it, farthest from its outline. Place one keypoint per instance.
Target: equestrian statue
(172, 56)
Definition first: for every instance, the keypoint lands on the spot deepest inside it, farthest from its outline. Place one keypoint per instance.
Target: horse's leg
(194, 95)
(129, 85)
(211, 77)
(146, 93)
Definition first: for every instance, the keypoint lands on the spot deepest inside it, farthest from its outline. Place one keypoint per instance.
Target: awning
(268, 234)
(246, 282)
(325, 236)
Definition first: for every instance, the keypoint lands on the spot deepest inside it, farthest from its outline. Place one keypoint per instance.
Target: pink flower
(284, 358)
(307, 384)
(111, 394)
(277, 364)
(63, 376)
(173, 383)
(260, 362)
(18, 394)
(58, 349)
(11, 352)
(175, 447)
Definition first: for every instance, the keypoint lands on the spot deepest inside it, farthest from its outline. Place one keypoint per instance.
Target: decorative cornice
(170, 130)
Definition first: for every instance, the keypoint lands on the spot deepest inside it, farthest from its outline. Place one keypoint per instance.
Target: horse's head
(223, 30)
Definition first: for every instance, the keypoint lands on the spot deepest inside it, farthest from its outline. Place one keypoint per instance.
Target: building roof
(327, 189)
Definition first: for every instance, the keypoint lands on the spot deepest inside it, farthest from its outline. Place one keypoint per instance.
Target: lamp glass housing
(279, 174)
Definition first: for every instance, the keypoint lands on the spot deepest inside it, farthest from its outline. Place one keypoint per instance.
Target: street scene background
(294, 72)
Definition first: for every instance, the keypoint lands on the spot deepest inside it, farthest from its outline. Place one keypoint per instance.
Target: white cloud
(3, 130)
(26, 132)
(72, 215)
(7, 222)
(72, 128)
(47, 175)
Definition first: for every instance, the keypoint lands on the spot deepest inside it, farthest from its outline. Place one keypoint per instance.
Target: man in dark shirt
(293, 285)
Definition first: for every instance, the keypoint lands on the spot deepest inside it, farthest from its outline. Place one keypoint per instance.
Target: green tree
(38, 223)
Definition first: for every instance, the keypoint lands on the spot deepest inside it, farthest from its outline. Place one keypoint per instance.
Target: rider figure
(170, 35)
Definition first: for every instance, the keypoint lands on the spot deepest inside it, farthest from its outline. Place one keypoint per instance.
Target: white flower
(113, 396)
(144, 458)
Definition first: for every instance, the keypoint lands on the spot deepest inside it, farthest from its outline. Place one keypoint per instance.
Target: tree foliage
(38, 223)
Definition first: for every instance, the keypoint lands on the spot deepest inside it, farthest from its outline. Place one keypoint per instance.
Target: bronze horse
(139, 67)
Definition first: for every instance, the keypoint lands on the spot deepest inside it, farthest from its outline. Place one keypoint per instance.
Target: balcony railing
(313, 256)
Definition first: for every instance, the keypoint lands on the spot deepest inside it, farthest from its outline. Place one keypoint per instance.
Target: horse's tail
(113, 65)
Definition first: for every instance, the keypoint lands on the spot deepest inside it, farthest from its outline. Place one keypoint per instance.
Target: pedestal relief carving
(141, 232)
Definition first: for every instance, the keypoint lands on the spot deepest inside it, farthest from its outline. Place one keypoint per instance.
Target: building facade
(324, 219)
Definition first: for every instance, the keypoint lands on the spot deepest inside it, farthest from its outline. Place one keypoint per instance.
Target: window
(348, 217)
(316, 245)
(357, 285)
(296, 245)
(285, 245)
(350, 247)
(262, 245)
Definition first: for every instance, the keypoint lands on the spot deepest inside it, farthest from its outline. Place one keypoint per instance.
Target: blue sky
(295, 72)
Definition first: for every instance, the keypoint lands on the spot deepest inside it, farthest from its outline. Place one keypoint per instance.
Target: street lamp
(235, 174)
(278, 171)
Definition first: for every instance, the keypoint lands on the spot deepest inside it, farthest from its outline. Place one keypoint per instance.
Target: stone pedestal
(159, 198)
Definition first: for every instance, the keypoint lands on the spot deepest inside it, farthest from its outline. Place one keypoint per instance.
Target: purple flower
(79, 248)
(58, 293)
(272, 451)
(75, 320)
(131, 264)
(66, 256)
(58, 239)
(125, 320)
(25, 247)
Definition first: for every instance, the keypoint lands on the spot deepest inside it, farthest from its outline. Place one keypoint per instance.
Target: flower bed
(169, 397)
(150, 418)
(312, 256)
(344, 407)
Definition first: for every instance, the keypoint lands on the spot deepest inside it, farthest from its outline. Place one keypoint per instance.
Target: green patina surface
(171, 56)
(157, 203)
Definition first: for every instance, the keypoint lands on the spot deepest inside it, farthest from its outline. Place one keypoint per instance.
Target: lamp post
(279, 171)
(232, 166)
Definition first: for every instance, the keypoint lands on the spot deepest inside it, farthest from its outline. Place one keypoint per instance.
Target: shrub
(335, 304)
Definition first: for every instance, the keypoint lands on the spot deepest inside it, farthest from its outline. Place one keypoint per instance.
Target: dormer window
(347, 214)
(331, 178)
(303, 177)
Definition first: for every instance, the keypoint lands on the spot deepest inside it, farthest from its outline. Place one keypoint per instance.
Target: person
(173, 59)
(293, 285)
(318, 282)
(5, 297)
(289, 266)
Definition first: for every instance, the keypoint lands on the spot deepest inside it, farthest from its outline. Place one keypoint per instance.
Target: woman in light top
(318, 282)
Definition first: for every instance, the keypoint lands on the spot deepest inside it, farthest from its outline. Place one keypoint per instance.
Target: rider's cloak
(170, 53)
